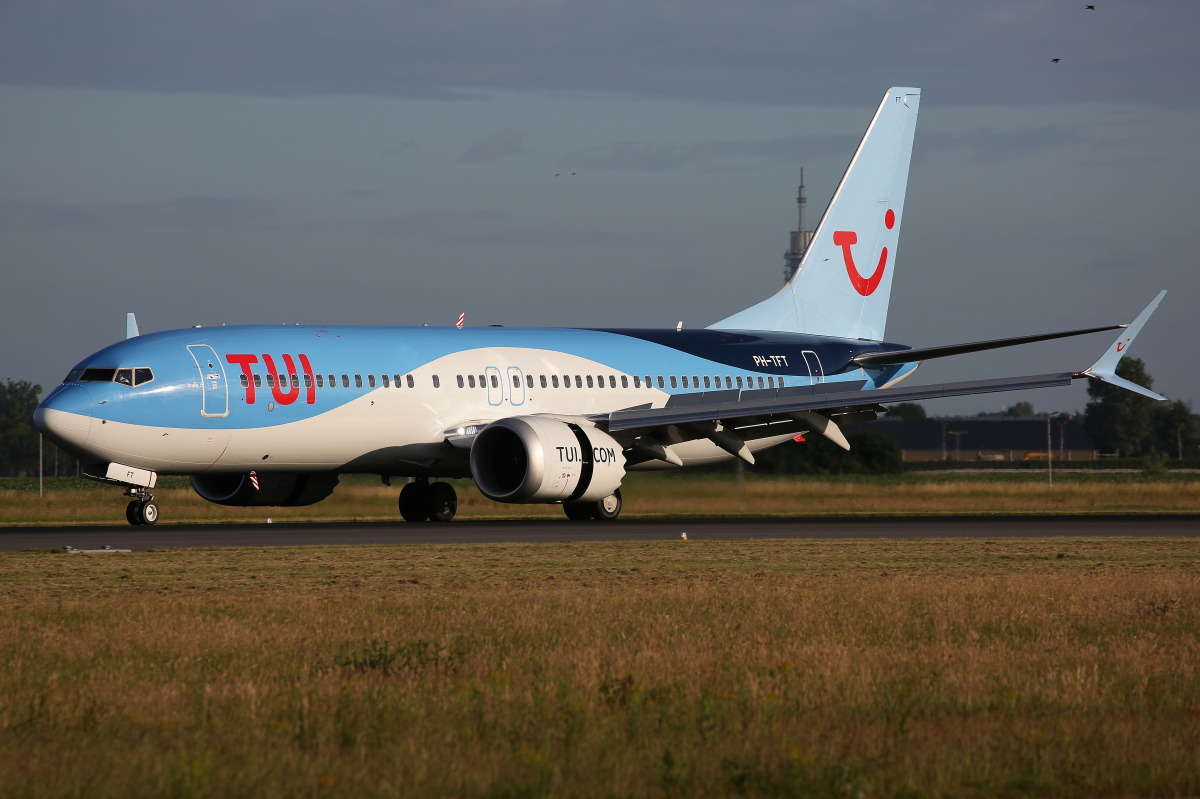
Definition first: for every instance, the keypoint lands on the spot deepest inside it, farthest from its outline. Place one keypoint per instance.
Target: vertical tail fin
(844, 282)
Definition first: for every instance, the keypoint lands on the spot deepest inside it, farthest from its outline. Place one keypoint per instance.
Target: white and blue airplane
(270, 415)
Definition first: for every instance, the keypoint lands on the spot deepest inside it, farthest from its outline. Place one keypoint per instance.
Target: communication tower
(799, 238)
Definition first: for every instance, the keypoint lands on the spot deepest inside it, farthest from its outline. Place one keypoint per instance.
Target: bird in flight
(1055, 60)
(1090, 8)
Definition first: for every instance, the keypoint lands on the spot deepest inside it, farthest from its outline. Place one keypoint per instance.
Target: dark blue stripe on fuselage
(760, 351)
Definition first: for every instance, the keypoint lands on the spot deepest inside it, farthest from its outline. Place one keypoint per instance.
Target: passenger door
(516, 394)
(214, 390)
(495, 386)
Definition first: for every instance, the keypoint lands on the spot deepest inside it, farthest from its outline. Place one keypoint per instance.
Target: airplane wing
(730, 418)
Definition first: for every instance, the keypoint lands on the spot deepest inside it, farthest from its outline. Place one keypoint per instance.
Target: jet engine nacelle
(273, 489)
(537, 459)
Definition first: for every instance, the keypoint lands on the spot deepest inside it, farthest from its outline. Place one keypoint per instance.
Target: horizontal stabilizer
(910, 356)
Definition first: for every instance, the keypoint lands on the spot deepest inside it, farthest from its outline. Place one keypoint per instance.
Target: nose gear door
(213, 386)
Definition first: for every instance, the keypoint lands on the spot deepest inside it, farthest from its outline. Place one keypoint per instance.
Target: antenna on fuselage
(131, 330)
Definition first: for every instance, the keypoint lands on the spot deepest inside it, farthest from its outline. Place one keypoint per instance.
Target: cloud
(758, 51)
(406, 146)
(185, 213)
(993, 145)
(720, 155)
(437, 222)
(496, 147)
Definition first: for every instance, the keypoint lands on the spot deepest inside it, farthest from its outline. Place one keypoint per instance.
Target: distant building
(798, 239)
(984, 438)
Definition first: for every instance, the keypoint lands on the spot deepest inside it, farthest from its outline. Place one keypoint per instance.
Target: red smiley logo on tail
(845, 238)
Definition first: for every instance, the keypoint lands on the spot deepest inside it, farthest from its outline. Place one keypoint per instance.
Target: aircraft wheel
(148, 512)
(443, 502)
(578, 511)
(608, 508)
(133, 512)
(414, 502)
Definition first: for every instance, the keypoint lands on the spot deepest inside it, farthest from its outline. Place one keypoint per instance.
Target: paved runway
(465, 532)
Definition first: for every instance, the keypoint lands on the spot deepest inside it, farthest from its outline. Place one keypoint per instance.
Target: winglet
(1105, 368)
(131, 330)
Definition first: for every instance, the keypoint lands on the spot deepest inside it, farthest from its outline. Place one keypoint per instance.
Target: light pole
(958, 434)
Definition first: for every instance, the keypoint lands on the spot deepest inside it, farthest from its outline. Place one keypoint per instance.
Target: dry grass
(850, 668)
(649, 496)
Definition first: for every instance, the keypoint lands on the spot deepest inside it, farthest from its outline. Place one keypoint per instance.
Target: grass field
(774, 668)
(660, 495)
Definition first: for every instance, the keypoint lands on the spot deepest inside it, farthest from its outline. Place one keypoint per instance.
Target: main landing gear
(421, 501)
(142, 509)
(603, 510)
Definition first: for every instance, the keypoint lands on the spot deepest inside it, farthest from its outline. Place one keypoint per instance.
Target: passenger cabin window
(258, 381)
(661, 383)
(529, 381)
(270, 380)
(436, 382)
(384, 378)
(706, 385)
(554, 380)
(371, 381)
(295, 382)
(579, 381)
(471, 381)
(495, 382)
(685, 382)
(358, 381)
(624, 381)
(612, 381)
(761, 383)
(589, 381)
(461, 382)
(320, 381)
(674, 382)
(542, 380)
(637, 381)
(739, 381)
(245, 380)
(728, 382)
(332, 381)
(409, 379)
(396, 381)
(516, 381)
(345, 381)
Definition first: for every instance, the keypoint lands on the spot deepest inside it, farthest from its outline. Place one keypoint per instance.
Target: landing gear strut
(142, 509)
(603, 510)
(421, 500)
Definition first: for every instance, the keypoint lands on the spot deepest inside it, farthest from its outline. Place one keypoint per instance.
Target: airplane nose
(65, 416)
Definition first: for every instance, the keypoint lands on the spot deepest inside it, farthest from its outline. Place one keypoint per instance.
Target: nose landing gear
(142, 509)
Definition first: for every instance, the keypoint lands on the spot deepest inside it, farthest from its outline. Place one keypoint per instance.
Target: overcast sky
(369, 162)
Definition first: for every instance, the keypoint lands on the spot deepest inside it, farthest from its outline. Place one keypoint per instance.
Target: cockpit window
(97, 375)
(124, 377)
(143, 375)
(72, 376)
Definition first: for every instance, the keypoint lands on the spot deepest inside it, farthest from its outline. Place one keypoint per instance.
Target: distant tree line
(18, 439)
(1132, 426)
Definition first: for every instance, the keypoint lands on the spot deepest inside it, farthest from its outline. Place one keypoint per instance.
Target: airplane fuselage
(383, 399)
